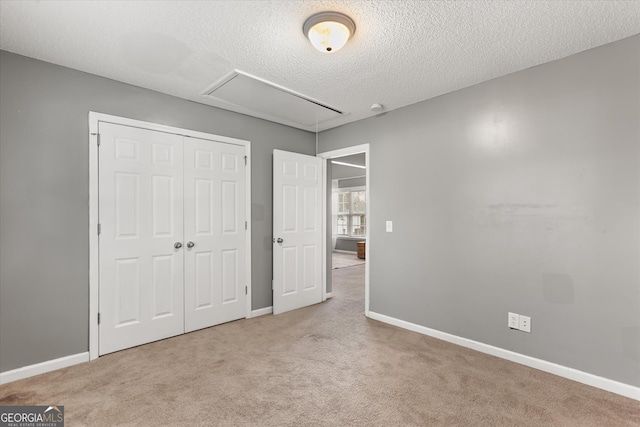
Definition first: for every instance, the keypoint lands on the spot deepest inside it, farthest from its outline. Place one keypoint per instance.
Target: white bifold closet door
(172, 242)
(214, 229)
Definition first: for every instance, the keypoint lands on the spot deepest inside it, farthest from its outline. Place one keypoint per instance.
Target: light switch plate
(389, 226)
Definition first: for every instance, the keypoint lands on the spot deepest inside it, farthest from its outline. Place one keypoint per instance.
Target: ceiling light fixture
(328, 31)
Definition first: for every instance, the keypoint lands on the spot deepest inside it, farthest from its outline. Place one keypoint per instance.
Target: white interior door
(297, 231)
(214, 225)
(141, 271)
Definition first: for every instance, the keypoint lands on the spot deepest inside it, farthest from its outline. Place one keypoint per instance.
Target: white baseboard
(550, 367)
(44, 367)
(329, 295)
(262, 311)
(340, 251)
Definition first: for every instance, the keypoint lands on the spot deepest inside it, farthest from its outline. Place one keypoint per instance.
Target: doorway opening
(348, 210)
(346, 216)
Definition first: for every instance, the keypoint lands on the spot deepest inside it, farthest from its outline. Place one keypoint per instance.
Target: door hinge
(99, 229)
(245, 160)
(245, 290)
(245, 225)
(272, 285)
(98, 318)
(97, 137)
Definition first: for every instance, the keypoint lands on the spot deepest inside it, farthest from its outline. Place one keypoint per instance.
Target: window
(349, 212)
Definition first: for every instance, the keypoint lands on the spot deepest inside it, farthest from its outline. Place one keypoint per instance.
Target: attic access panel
(267, 99)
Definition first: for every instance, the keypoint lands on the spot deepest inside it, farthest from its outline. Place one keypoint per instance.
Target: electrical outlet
(514, 321)
(389, 225)
(525, 323)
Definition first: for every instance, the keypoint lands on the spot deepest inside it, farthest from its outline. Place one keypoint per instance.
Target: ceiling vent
(264, 99)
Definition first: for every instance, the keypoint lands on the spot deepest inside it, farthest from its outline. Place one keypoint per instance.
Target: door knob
(177, 245)
(190, 244)
(279, 240)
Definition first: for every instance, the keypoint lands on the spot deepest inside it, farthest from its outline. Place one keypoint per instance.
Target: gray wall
(341, 172)
(346, 244)
(44, 199)
(519, 194)
(352, 182)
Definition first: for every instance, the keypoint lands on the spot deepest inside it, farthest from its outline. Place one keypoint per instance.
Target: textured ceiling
(402, 52)
(354, 159)
(341, 172)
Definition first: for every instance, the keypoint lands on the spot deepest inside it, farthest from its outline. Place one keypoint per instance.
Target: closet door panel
(214, 224)
(141, 271)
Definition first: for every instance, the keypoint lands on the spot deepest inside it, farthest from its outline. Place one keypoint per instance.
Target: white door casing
(326, 156)
(141, 272)
(297, 231)
(214, 225)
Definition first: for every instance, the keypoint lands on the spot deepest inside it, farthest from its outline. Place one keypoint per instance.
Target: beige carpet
(321, 365)
(342, 260)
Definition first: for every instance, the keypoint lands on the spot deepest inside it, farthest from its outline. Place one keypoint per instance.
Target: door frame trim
(328, 155)
(94, 276)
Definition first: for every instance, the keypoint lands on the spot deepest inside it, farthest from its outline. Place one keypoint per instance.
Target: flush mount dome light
(328, 31)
